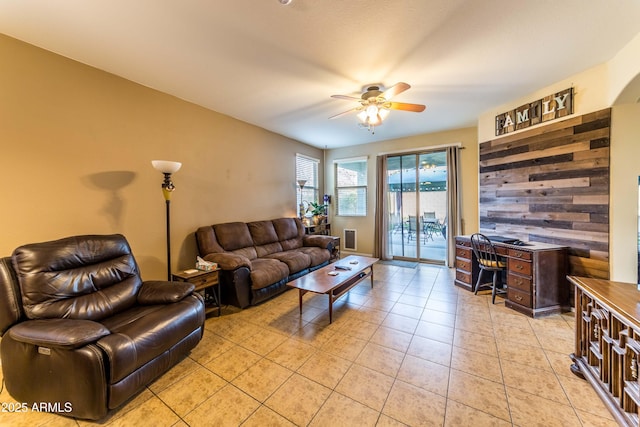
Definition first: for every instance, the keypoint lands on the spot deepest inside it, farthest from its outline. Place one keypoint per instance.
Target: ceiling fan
(375, 104)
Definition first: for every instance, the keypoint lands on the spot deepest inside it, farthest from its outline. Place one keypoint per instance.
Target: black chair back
(488, 260)
(485, 252)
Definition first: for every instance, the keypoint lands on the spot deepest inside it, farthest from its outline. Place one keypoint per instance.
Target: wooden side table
(323, 229)
(204, 281)
(335, 254)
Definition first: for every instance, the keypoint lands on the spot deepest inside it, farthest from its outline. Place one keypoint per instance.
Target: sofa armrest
(161, 292)
(58, 333)
(228, 261)
(321, 241)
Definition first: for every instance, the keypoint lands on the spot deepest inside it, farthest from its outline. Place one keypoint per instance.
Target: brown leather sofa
(258, 258)
(81, 332)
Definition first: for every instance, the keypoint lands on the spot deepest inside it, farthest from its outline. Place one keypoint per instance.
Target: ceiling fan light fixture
(375, 120)
(372, 111)
(376, 104)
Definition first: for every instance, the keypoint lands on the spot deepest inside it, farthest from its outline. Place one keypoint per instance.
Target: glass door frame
(420, 164)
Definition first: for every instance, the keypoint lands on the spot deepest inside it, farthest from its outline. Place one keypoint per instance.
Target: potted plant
(318, 211)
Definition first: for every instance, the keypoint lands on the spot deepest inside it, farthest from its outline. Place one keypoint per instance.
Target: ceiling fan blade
(343, 113)
(416, 108)
(395, 90)
(348, 98)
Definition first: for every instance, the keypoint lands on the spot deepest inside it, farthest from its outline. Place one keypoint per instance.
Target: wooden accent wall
(551, 184)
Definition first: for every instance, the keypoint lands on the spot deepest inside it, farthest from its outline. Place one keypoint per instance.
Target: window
(307, 170)
(351, 187)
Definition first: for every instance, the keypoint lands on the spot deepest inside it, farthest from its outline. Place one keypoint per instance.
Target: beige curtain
(381, 236)
(454, 222)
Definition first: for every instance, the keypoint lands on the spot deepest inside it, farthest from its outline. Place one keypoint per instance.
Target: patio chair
(412, 227)
(429, 225)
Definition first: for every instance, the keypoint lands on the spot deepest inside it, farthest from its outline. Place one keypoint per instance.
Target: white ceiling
(276, 66)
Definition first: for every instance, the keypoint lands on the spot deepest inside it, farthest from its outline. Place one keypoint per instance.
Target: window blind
(307, 169)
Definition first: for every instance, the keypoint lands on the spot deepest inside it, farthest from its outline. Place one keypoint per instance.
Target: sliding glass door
(417, 205)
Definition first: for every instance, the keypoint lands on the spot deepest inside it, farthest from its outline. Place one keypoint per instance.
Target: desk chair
(488, 260)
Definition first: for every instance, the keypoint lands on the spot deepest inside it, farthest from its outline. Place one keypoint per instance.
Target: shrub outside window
(351, 187)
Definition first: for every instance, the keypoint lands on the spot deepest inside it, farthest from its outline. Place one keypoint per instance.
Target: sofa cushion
(316, 255)
(290, 232)
(269, 249)
(266, 271)
(81, 277)
(233, 235)
(248, 253)
(207, 241)
(264, 237)
(295, 260)
(262, 232)
(142, 333)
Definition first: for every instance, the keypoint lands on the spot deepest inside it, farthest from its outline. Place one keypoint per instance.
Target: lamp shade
(166, 166)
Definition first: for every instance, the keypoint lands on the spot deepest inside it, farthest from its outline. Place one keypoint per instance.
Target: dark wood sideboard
(607, 344)
(535, 276)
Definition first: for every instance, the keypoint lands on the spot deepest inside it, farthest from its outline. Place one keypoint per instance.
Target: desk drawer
(519, 297)
(204, 281)
(502, 251)
(463, 277)
(463, 264)
(461, 242)
(520, 266)
(463, 252)
(516, 253)
(519, 282)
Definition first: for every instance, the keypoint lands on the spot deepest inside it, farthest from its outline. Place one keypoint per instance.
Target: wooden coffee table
(322, 282)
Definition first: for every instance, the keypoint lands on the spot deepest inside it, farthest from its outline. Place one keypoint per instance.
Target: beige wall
(614, 84)
(76, 145)
(624, 94)
(623, 210)
(365, 225)
(590, 94)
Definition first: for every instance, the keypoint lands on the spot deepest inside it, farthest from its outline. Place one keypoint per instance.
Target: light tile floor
(414, 350)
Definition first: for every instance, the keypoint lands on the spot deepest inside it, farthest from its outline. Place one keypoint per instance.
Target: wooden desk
(535, 276)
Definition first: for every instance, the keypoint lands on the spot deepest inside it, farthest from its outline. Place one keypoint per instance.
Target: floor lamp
(301, 183)
(167, 168)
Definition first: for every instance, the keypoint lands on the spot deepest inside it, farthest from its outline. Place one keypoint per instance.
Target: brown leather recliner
(81, 332)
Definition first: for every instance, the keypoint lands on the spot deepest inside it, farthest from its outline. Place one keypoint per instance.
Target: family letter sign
(548, 108)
